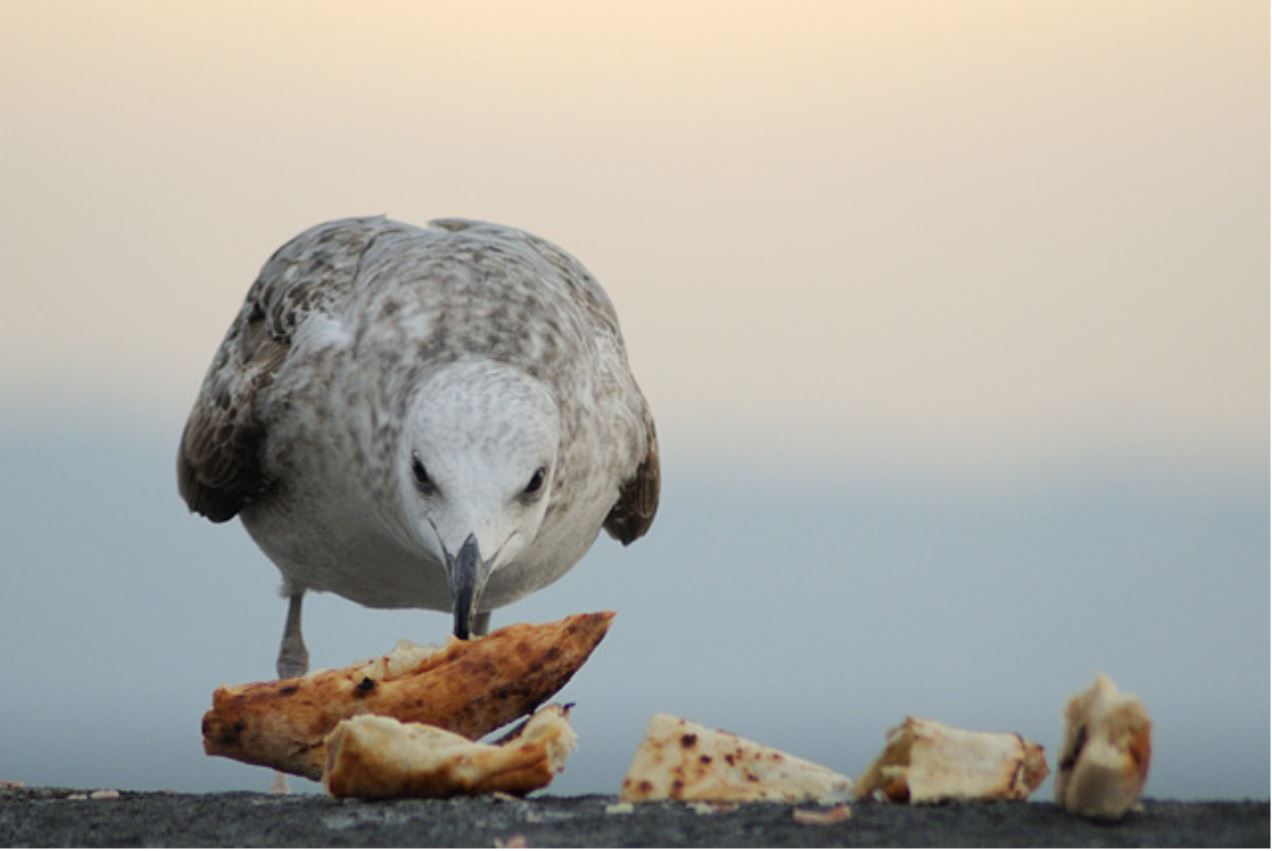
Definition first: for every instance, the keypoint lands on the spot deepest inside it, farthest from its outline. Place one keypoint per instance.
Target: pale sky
(953, 316)
(934, 227)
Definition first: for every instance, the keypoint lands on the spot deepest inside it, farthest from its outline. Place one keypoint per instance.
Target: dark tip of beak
(466, 577)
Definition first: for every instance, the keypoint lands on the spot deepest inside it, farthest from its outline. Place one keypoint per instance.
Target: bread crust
(371, 756)
(685, 761)
(926, 761)
(466, 687)
(1108, 745)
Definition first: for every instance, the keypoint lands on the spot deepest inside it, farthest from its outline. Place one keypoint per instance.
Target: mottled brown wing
(219, 463)
(637, 504)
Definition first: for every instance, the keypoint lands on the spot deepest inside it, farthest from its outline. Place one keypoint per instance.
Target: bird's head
(477, 466)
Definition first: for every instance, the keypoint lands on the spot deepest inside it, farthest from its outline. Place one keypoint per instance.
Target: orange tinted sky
(956, 228)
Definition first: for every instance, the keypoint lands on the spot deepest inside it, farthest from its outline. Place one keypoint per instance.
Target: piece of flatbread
(467, 687)
(1108, 744)
(926, 762)
(684, 761)
(371, 756)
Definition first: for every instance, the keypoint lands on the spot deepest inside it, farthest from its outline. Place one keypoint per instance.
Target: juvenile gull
(437, 417)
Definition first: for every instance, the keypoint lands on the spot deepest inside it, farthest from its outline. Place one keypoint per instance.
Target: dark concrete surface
(61, 817)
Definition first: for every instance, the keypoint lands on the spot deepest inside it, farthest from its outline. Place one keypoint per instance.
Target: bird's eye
(536, 481)
(422, 481)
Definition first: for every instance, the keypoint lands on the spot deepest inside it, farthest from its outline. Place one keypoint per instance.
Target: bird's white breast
(333, 407)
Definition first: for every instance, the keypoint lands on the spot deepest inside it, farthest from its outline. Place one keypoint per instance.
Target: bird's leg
(293, 661)
(293, 658)
(481, 624)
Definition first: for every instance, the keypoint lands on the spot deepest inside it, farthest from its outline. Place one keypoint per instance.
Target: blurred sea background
(953, 316)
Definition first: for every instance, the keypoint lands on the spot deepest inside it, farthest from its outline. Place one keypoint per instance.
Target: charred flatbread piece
(466, 687)
(684, 761)
(926, 762)
(371, 756)
(1108, 744)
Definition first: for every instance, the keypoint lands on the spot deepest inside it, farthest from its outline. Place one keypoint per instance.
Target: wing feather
(219, 461)
(637, 504)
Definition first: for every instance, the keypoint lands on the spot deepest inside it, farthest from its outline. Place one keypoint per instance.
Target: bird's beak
(468, 573)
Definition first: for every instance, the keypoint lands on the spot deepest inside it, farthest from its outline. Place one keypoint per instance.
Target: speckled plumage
(362, 336)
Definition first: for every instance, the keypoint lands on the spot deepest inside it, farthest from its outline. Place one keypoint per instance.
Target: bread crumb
(710, 808)
(822, 817)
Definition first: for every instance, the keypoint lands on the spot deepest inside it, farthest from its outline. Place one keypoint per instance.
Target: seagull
(436, 417)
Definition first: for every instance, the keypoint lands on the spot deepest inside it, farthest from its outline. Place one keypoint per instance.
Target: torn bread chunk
(467, 687)
(926, 762)
(371, 756)
(1108, 744)
(684, 761)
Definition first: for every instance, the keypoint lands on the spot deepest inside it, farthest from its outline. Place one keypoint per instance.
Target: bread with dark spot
(467, 687)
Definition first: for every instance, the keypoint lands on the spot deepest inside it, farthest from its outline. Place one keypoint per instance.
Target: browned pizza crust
(466, 687)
